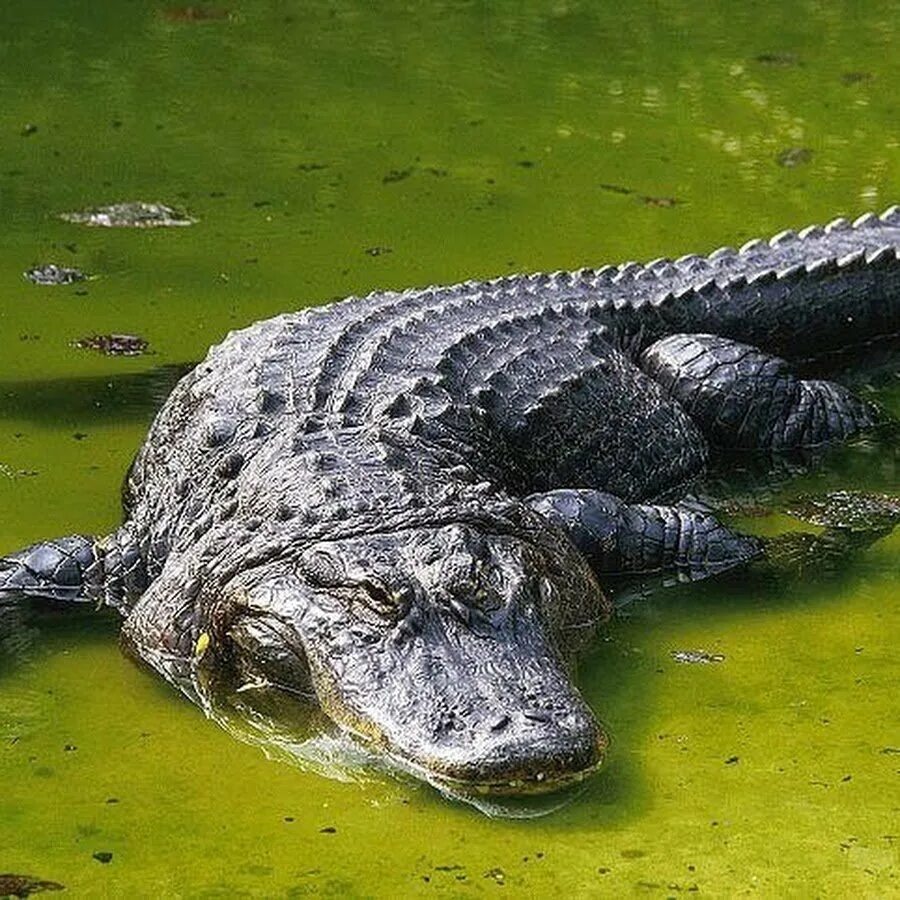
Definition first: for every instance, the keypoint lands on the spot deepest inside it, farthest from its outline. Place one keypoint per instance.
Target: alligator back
(526, 344)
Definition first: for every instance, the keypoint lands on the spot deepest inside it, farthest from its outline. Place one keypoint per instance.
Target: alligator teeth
(838, 224)
(812, 231)
(891, 215)
(866, 220)
(783, 237)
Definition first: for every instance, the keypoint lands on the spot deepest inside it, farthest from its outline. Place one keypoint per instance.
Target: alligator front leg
(77, 569)
(52, 570)
(743, 398)
(622, 538)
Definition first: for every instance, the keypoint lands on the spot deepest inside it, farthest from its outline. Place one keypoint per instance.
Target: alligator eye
(321, 569)
(379, 599)
(384, 602)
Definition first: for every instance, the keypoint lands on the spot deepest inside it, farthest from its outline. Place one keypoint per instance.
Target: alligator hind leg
(741, 397)
(621, 538)
(54, 570)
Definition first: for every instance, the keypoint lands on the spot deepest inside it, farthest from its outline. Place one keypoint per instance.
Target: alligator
(405, 505)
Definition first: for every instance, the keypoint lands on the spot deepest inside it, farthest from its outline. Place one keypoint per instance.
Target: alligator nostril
(500, 723)
(537, 715)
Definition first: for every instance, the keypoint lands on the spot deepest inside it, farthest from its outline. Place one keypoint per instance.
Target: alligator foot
(618, 538)
(741, 397)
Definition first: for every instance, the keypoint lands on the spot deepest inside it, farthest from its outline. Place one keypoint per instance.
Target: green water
(462, 139)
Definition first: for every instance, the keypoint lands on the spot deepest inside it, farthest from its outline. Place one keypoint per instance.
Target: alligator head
(443, 647)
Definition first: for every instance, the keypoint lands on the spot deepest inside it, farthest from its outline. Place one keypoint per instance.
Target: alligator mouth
(524, 784)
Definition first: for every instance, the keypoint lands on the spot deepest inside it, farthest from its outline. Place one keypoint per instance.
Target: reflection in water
(297, 732)
(16, 635)
(281, 126)
(134, 396)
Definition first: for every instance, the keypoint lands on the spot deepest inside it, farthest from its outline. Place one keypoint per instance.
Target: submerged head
(441, 646)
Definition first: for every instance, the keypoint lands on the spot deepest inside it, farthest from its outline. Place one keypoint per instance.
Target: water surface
(335, 148)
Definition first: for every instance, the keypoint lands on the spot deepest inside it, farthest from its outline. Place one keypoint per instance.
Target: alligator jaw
(525, 784)
(474, 714)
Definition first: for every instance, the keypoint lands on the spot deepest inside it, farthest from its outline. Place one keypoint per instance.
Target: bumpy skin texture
(401, 502)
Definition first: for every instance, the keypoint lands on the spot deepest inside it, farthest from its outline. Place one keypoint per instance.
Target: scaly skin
(401, 503)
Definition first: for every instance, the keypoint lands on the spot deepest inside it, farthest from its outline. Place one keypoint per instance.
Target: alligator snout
(487, 711)
(522, 752)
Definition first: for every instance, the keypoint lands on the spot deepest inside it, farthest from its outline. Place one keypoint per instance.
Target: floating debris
(397, 175)
(848, 510)
(791, 157)
(29, 130)
(616, 189)
(661, 202)
(103, 856)
(378, 251)
(694, 657)
(113, 344)
(50, 273)
(129, 215)
(778, 59)
(849, 78)
(16, 473)
(24, 885)
(192, 14)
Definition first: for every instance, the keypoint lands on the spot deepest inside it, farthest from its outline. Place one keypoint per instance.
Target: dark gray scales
(468, 463)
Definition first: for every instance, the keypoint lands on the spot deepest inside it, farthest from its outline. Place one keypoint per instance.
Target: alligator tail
(799, 295)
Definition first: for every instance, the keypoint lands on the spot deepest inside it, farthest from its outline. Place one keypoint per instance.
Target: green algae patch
(337, 148)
